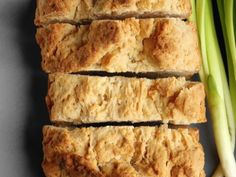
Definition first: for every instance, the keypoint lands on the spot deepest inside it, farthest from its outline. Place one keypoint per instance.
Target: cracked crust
(130, 45)
(81, 99)
(76, 11)
(122, 152)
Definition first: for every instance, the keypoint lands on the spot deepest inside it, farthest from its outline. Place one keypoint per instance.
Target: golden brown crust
(122, 152)
(50, 11)
(88, 99)
(130, 45)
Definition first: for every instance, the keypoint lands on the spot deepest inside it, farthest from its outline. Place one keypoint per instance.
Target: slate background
(22, 89)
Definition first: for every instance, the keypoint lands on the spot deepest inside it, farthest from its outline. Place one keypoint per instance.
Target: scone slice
(130, 45)
(122, 151)
(77, 11)
(80, 99)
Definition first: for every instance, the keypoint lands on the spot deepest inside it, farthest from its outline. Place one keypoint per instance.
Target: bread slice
(131, 45)
(81, 99)
(77, 11)
(122, 152)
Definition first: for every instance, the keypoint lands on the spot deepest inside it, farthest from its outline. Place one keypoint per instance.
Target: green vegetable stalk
(232, 82)
(222, 138)
(229, 23)
(218, 94)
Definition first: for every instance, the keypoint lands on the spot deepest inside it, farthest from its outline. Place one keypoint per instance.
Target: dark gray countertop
(22, 89)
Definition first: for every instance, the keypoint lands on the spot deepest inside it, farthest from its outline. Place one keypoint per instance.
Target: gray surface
(22, 90)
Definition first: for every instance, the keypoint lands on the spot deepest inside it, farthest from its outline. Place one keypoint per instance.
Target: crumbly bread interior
(130, 45)
(122, 152)
(81, 99)
(77, 11)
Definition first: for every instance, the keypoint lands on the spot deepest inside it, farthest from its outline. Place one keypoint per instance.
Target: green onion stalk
(218, 93)
(227, 18)
(228, 6)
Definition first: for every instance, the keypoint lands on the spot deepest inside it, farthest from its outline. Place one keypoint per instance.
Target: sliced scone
(77, 11)
(122, 152)
(131, 45)
(78, 99)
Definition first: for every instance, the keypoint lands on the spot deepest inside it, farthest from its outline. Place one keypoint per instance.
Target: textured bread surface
(90, 99)
(130, 45)
(122, 152)
(75, 11)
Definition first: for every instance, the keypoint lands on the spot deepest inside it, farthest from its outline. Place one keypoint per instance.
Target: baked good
(122, 152)
(130, 45)
(77, 11)
(81, 99)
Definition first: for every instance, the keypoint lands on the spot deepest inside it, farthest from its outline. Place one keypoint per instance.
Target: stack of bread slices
(118, 97)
